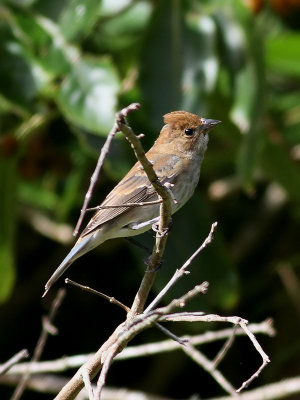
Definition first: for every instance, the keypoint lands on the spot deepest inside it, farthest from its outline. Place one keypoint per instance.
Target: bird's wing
(133, 188)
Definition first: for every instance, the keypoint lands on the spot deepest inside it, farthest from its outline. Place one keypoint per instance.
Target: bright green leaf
(88, 95)
(79, 17)
(283, 54)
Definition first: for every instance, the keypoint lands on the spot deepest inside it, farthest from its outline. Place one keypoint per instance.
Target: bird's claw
(155, 228)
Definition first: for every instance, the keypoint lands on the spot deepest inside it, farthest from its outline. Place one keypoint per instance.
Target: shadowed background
(66, 67)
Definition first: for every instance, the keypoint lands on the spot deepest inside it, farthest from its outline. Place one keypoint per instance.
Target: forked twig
(263, 355)
(208, 366)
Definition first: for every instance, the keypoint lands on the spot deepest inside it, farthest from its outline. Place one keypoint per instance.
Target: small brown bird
(176, 156)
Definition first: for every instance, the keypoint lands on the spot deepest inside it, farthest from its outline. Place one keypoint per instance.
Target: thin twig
(13, 360)
(100, 162)
(182, 271)
(112, 300)
(104, 371)
(40, 343)
(221, 354)
(170, 334)
(87, 383)
(200, 317)
(263, 355)
(208, 366)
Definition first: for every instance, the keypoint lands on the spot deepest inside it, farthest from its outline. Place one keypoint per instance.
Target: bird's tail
(78, 250)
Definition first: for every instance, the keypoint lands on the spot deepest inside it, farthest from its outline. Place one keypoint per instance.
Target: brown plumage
(176, 156)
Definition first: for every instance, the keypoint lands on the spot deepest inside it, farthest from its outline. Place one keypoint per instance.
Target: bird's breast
(186, 183)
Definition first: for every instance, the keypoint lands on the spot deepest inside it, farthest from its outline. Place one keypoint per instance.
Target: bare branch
(143, 350)
(93, 291)
(41, 342)
(13, 361)
(263, 355)
(170, 334)
(52, 384)
(104, 371)
(273, 391)
(87, 383)
(182, 271)
(221, 354)
(208, 366)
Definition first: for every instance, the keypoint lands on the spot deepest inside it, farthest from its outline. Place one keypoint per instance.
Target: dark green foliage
(66, 67)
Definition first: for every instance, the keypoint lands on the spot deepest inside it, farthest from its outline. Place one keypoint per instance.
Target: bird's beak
(208, 124)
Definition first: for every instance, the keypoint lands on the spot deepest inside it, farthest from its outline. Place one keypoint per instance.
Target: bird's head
(185, 132)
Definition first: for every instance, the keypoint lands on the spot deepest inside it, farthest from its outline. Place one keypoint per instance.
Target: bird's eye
(189, 132)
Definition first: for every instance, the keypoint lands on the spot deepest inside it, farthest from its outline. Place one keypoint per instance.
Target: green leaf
(7, 271)
(8, 218)
(79, 17)
(109, 7)
(282, 54)
(17, 84)
(123, 30)
(246, 114)
(44, 43)
(88, 95)
(200, 63)
(161, 61)
(37, 196)
(231, 38)
(248, 107)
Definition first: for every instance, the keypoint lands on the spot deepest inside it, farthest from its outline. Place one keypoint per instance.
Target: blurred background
(66, 67)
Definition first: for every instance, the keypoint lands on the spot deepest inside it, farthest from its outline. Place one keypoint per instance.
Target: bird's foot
(155, 228)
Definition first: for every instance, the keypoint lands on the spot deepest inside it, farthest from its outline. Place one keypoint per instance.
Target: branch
(164, 222)
(273, 391)
(209, 366)
(52, 384)
(13, 361)
(183, 270)
(93, 291)
(114, 345)
(46, 329)
(66, 363)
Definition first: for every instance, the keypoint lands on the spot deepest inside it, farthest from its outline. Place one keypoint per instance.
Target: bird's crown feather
(181, 119)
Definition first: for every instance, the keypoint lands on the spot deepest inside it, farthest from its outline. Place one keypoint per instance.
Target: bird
(176, 157)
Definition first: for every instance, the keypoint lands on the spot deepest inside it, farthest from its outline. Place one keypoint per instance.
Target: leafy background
(66, 67)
